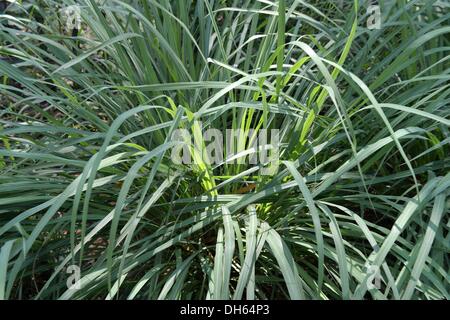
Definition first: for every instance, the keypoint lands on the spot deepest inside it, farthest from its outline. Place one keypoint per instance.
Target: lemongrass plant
(93, 206)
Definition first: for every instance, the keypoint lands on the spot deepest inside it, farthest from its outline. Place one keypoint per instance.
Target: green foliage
(86, 176)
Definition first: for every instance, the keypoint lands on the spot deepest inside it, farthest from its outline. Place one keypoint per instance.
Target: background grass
(86, 177)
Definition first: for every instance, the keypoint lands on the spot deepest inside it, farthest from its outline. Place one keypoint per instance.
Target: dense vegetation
(358, 207)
